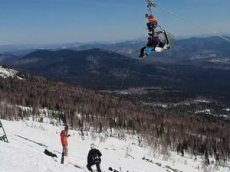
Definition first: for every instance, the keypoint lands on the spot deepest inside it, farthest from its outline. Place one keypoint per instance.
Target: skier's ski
(62, 156)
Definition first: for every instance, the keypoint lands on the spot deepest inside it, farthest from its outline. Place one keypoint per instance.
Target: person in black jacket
(94, 158)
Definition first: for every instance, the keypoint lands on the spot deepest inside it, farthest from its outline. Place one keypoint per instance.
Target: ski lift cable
(126, 71)
(199, 25)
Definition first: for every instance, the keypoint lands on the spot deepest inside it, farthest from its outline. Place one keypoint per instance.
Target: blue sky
(59, 21)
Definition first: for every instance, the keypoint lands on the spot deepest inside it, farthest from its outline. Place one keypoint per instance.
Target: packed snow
(6, 72)
(28, 140)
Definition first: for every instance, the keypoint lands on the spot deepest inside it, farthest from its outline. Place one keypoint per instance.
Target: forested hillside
(165, 129)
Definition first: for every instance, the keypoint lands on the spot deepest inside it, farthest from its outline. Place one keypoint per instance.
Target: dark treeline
(166, 128)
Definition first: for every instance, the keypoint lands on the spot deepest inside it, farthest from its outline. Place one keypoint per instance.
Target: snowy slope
(28, 140)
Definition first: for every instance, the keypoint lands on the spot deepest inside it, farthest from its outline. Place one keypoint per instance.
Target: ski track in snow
(24, 152)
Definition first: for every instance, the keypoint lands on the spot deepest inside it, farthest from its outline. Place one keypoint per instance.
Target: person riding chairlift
(152, 23)
(152, 44)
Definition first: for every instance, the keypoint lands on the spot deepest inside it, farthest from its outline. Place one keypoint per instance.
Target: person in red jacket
(64, 135)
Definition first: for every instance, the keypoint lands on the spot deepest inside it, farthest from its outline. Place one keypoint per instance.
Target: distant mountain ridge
(197, 65)
(182, 50)
(73, 66)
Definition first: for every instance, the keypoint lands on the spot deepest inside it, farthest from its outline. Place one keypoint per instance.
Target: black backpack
(96, 158)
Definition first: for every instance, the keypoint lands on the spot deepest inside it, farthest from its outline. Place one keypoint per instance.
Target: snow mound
(6, 72)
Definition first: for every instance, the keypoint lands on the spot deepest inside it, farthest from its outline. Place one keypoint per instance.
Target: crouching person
(94, 158)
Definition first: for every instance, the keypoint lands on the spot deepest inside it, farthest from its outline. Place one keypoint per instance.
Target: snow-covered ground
(7, 72)
(28, 140)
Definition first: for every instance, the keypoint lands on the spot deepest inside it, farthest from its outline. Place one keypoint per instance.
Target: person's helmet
(146, 15)
(92, 146)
